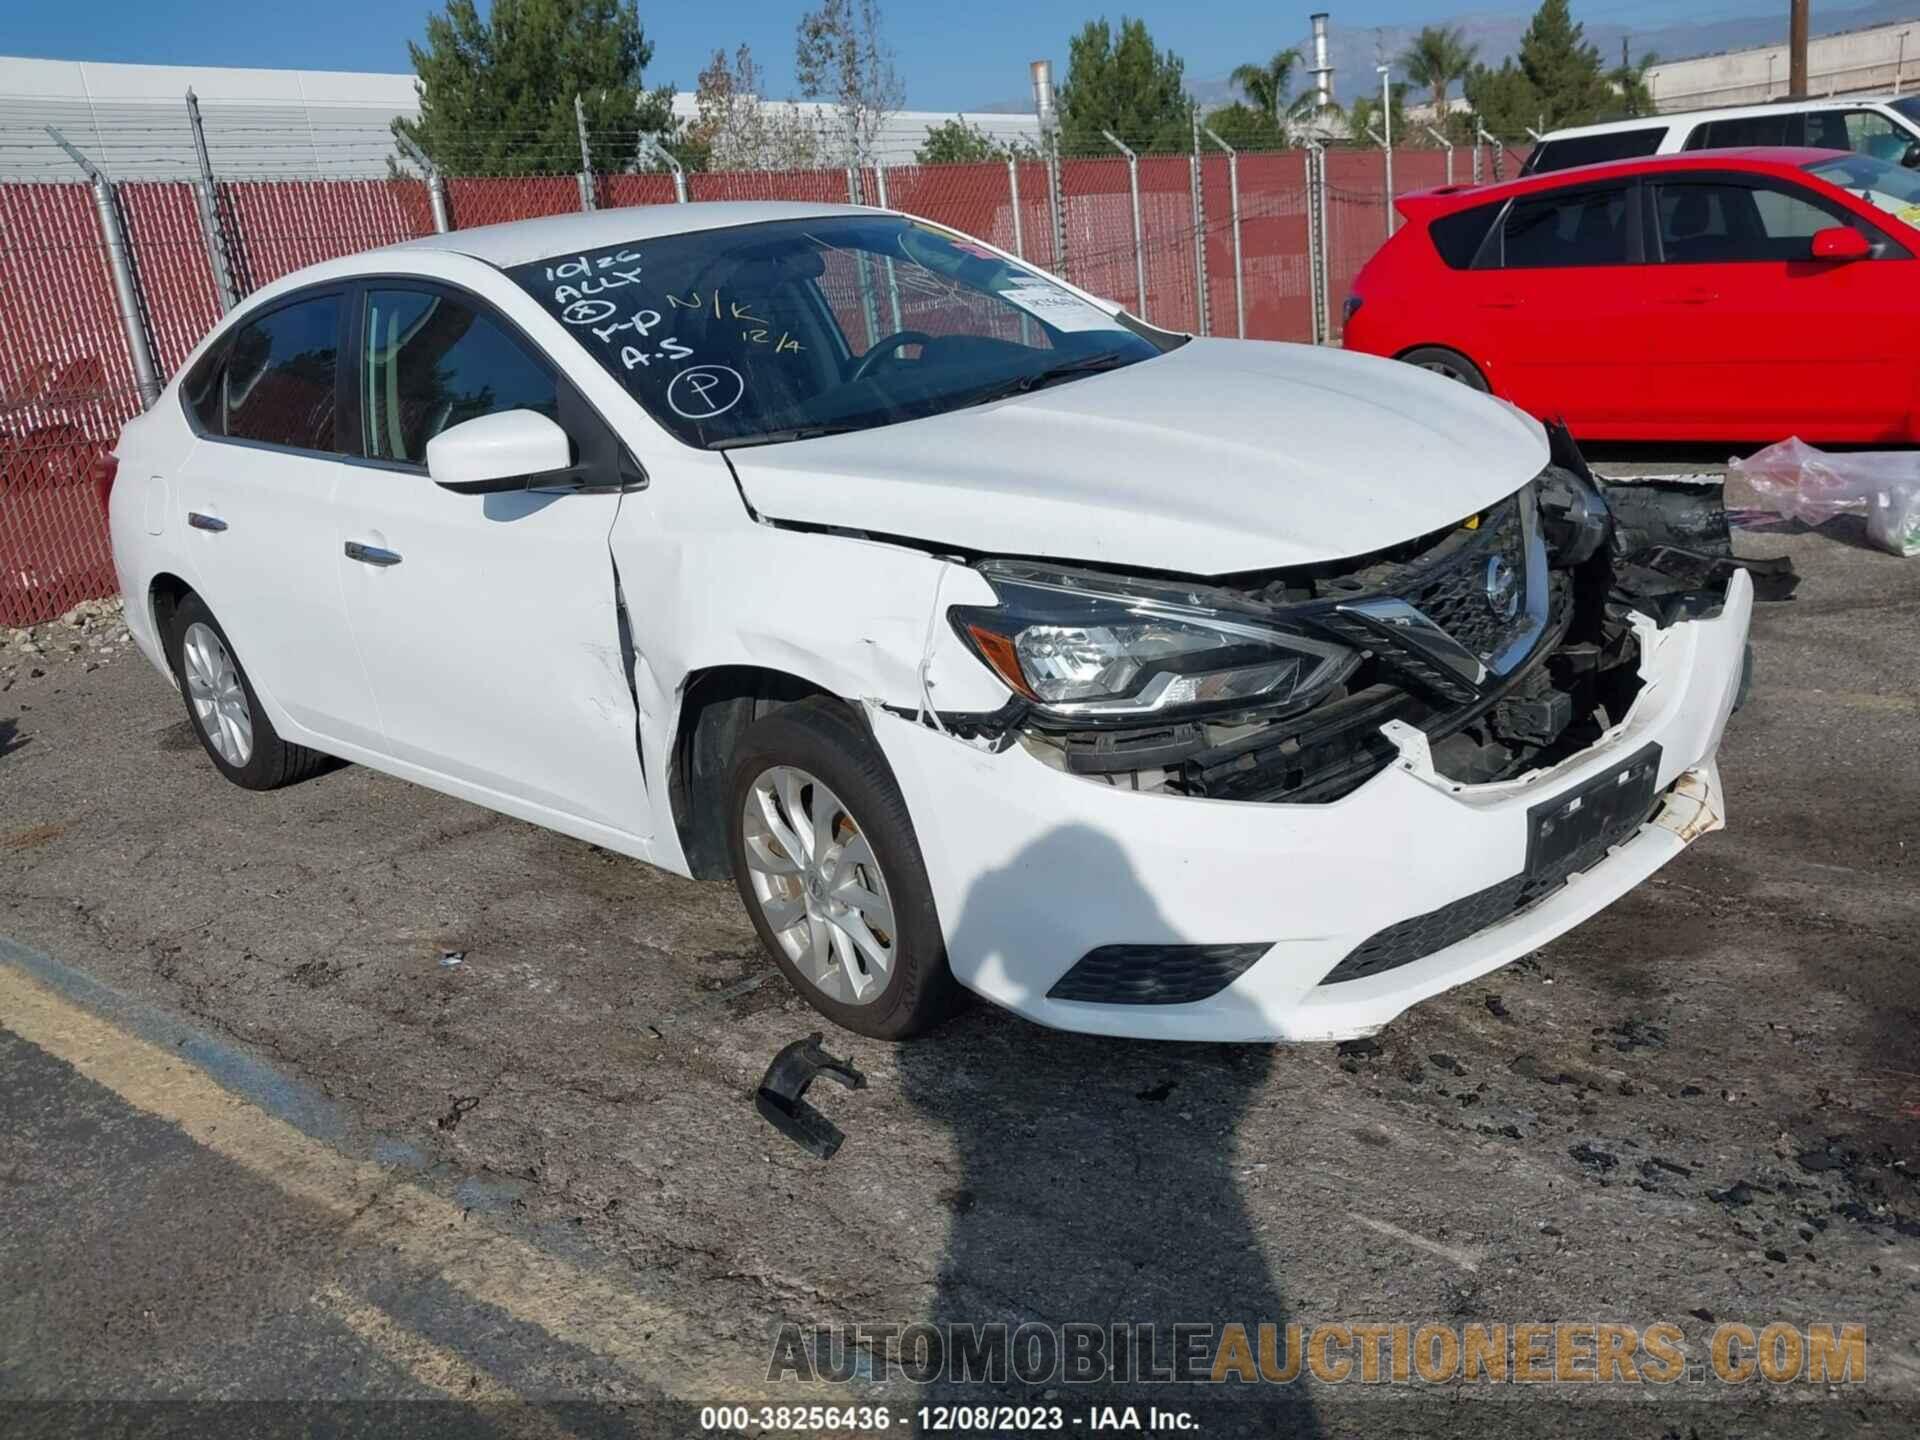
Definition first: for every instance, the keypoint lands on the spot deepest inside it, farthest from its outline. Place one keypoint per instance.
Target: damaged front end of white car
(1289, 803)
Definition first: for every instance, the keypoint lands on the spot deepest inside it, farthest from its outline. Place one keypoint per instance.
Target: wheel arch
(716, 707)
(164, 593)
(1479, 363)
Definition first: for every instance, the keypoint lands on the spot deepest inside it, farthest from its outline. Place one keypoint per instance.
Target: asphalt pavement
(265, 1154)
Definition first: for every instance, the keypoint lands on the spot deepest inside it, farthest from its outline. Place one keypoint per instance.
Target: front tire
(1450, 363)
(825, 859)
(224, 709)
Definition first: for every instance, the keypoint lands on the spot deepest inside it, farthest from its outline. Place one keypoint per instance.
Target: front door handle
(371, 554)
(205, 522)
(1696, 297)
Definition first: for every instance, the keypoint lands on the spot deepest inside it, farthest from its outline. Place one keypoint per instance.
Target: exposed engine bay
(1506, 638)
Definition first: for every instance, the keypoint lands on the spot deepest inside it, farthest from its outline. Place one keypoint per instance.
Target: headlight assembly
(1094, 647)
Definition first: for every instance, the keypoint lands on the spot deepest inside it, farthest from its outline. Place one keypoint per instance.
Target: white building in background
(1879, 60)
(131, 121)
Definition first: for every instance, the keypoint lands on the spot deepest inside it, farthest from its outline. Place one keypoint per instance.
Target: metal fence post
(1317, 238)
(893, 280)
(586, 155)
(1139, 237)
(120, 264)
(1057, 203)
(1199, 231)
(206, 199)
(1233, 196)
(1013, 191)
(1446, 145)
(436, 184)
(863, 264)
(1482, 134)
(650, 144)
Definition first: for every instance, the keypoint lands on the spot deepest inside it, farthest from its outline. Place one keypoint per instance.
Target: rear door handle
(1502, 302)
(1696, 297)
(205, 522)
(371, 554)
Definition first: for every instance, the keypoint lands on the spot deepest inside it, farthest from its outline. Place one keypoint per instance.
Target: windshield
(801, 327)
(1893, 188)
(1908, 106)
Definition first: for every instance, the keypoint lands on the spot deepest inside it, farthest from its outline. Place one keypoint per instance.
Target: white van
(1887, 129)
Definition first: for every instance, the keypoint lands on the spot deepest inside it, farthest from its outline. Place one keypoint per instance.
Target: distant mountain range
(1354, 51)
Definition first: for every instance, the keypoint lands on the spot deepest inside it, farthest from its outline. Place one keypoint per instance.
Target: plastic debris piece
(451, 958)
(787, 1078)
(1813, 486)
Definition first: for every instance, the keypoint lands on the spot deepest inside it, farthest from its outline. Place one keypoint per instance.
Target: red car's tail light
(102, 473)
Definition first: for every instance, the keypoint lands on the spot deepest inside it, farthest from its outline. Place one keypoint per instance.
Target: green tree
(1245, 128)
(956, 142)
(1266, 85)
(1504, 100)
(1121, 83)
(1557, 80)
(1365, 113)
(1438, 56)
(496, 95)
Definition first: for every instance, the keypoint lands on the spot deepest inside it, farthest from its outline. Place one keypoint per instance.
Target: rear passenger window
(277, 385)
(1594, 149)
(1745, 130)
(432, 362)
(1565, 228)
(1458, 236)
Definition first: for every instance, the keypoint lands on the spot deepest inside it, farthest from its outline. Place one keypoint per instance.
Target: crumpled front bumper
(1031, 867)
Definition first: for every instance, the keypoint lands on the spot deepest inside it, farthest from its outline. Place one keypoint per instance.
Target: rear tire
(224, 709)
(849, 918)
(1450, 363)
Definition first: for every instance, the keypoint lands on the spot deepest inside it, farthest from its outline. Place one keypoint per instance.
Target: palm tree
(1438, 56)
(1266, 86)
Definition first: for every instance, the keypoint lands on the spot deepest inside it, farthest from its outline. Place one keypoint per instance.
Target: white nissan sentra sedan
(988, 637)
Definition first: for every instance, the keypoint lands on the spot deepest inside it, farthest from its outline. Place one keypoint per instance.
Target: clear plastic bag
(1810, 485)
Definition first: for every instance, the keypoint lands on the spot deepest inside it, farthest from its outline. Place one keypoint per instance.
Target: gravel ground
(1702, 1105)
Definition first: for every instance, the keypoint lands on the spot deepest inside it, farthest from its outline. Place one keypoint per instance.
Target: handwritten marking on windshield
(737, 309)
(700, 392)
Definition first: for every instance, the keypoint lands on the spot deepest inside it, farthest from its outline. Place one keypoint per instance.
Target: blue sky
(949, 54)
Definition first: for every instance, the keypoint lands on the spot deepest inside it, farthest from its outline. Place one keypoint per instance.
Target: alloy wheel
(819, 885)
(218, 698)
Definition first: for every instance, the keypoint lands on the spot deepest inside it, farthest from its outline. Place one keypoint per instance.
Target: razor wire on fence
(106, 285)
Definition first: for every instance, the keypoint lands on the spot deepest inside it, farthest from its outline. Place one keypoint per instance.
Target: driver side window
(433, 362)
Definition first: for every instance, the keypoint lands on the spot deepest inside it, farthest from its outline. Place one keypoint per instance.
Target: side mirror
(1839, 242)
(1911, 159)
(490, 454)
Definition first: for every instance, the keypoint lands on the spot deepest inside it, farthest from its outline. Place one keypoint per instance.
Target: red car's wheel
(1450, 363)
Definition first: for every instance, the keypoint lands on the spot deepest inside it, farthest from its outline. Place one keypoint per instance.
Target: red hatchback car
(1718, 295)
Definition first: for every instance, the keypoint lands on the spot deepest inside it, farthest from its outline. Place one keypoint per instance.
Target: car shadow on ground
(1100, 1179)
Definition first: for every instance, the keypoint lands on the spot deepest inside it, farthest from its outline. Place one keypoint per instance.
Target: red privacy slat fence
(67, 379)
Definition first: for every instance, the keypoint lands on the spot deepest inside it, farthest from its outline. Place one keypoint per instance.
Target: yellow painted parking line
(434, 1366)
(649, 1341)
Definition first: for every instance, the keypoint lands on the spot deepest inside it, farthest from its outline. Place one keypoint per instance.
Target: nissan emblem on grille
(1503, 588)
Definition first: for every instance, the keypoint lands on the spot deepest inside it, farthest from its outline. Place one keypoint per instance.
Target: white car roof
(1730, 112)
(521, 241)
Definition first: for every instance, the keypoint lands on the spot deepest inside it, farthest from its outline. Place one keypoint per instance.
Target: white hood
(1220, 456)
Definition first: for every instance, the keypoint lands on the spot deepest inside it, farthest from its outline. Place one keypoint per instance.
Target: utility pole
(1626, 78)
(1797, 47)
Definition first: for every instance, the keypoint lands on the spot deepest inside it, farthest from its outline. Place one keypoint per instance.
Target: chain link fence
(100, 297)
